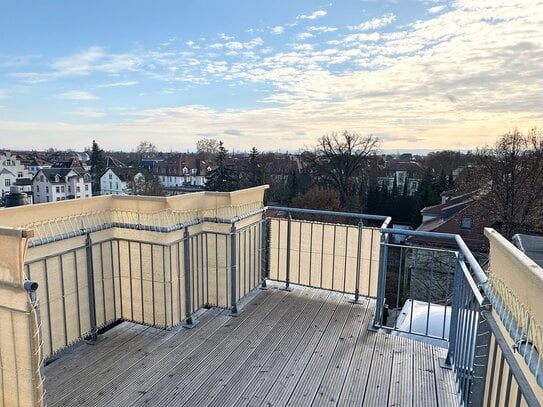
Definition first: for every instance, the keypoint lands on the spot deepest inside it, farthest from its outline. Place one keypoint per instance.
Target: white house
(408, 174)
(11, 169)
(59, 184)
(116, 181)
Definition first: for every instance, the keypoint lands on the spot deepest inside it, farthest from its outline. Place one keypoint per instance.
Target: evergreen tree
(450, 181)
(292, 186)
(395, 187)
(98, 163)
(223, 177)
(256, 170)
(405, 192)
(441, 183)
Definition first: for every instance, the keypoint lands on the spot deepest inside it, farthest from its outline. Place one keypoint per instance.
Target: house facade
(59, 184)
(180, 171)
(11, 169)
(116, 181)
(405, 170)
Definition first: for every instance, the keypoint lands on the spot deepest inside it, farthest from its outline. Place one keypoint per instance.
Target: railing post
(453, 328)
(289, 234)
(264, 244)
(381, 281)
(233, 271)
(90, 287)
(480, 357)
(189, 323)
(358, 261)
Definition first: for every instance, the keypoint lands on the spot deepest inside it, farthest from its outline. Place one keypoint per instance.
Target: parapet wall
(97, 260)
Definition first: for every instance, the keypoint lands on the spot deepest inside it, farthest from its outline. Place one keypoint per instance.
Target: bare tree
(146, 149)
(341, 161)
(510, 173)
(207, 149)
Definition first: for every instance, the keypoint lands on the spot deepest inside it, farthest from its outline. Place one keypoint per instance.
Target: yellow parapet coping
(520, 274)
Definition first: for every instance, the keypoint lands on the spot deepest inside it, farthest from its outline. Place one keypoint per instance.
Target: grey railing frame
(361, 217)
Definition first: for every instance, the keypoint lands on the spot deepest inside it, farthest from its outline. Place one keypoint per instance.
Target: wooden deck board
(401, 383)
(306, 347)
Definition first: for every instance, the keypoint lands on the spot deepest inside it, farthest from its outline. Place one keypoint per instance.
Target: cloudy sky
(418, 74)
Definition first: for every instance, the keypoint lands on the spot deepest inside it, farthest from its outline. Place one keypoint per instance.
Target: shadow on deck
(305, 347)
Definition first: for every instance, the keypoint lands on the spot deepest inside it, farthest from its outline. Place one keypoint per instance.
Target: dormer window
(466, 223)
(57, 178)
(185, 170)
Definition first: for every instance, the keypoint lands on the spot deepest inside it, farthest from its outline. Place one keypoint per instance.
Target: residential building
(116, 181)
(181, 171)
(461, 214)
(59, 184)
(37, 164)
(11, 169)
(405, 170)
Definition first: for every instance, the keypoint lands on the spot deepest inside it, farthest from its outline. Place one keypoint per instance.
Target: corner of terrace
(214, 299)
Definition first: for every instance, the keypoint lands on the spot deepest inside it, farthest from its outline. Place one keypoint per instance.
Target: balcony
(212, 299)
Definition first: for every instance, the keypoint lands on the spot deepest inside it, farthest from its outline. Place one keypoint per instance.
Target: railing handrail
(463, 248)
(386, 219)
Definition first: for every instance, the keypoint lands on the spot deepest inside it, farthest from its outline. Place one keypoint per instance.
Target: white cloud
(94, 59)
(312, 16)
(375, 23)
(436, 9)
(192, 45)
(278, 29)
(118, 84)
(3, 94)
(88, 113)
(324, 29)
(77, 95)
(304, 36)
(225, 37)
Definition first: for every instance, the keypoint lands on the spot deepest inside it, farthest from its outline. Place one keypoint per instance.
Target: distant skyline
(417, 74)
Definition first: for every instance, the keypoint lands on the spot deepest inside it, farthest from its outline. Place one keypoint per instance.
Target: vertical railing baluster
(90, 284)
(289, 235)
(381, 281)
(233, 271)
(189, 323)
(453, 327)
(481, 353)
(264, 244)
(358, 261)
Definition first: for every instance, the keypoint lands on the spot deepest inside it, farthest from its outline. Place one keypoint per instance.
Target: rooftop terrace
(304, 347)
(156, 301)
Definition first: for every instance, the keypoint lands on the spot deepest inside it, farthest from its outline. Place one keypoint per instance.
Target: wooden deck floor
(305, 347)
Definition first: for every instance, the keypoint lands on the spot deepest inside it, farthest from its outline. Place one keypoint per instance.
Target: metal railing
(94, 283)
(462, 303)
(337, 253)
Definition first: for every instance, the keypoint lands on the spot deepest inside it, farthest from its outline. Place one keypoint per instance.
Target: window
(110, 185)
(116, 185)
(7, 182)
(69, 188)
(37, 188)
(467, 222)
(78, 188)
(41, 178)
(62, 188)
(58, 198)
(47, 198)
(58, 189)
(110, 175)
(19, 174)
(86, 187)
(47, 190)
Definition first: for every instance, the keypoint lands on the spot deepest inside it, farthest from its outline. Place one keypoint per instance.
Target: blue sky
(418, 74)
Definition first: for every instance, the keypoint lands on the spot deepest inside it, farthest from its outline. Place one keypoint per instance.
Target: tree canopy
(223, 177)
(340, 160)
